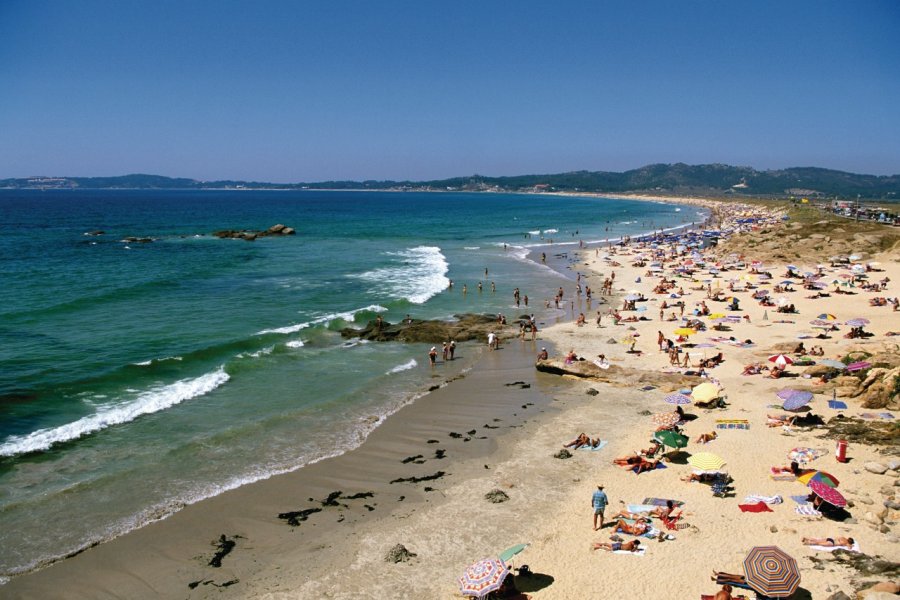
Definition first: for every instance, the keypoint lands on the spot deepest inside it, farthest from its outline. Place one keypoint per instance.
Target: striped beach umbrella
(666, 420)
(706, 461)
(483, 577)
(677, 399)
(821, 476)
(827, 317)
(782, 360)
(827, 493)
(771, 572)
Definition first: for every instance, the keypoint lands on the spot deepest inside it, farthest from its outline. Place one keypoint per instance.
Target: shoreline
(546, 506)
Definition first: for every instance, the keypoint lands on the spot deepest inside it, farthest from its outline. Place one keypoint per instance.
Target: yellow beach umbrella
(706, 461)
(717, 315)
(684, 331)
(705, 392)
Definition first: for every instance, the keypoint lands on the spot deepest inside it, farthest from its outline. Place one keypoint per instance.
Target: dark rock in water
(331, 500)
(98, 232)
(359, 496)
(137, 240)
(410, 459)
(563, 454)
(294, 518)
(464, 328)
(250, 235)
(225, 546)
(398, 554)
(496, 496)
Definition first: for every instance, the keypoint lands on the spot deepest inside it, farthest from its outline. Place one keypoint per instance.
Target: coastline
(546, 506)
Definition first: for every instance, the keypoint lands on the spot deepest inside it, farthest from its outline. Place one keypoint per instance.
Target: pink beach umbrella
(483, 577)
(828, 494)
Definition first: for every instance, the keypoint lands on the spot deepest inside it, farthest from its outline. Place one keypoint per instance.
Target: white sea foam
(295, 344)
(551, 231)
(410, 364)
(535, 232)
(258, 353)
(346, 316)
(147, 402)
(471, 247)
(421, 274)
(156, 360)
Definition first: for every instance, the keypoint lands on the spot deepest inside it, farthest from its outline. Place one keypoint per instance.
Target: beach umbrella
(858, 366)
(677, 399)
(794, 399)
(717, 316)
(705, 392)
(834, 364)
(857, 322)
(706, 461)
(828, 494)
(771, 572)
(781, 360)
(666, 420)
(827, 317)
(821, 476)
(507, 554)
(483, 577)
(684, 331)
(821, 323)
(804, 455)
(631, 297)
(671, 438)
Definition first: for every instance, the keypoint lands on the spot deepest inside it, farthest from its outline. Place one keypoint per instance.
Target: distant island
(670, 179)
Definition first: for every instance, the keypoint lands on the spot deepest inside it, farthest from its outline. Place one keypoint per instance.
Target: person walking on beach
(598, 503)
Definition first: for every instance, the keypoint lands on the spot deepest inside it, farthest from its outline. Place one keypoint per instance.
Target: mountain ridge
(676, 179)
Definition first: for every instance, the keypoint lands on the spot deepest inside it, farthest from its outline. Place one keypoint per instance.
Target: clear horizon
(306, 91)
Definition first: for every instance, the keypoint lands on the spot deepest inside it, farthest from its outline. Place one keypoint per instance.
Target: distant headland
(669, 179)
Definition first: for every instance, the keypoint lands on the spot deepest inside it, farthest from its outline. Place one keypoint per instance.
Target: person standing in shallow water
(432, 356)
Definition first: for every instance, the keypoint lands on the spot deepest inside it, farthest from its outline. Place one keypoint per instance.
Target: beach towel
(807, 511)
(732, 424)
(800, 499)
(640, 552)
(753, 498)
(599, 446)
(641, 508)
(659, 465)
(755, 508)
(886, 415)
(782, 477)
(662, 502)
(837, 404)
(854, 548)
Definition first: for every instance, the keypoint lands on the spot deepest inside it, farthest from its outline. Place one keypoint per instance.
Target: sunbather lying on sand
(652, 450)
(632, 546)
(720, 577)
(703, 438)
(639, 527)
(843, 542)
(793, 469)
(581, 441)
(635, 460)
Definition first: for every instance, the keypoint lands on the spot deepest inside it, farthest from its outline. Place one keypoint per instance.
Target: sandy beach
(499, 426)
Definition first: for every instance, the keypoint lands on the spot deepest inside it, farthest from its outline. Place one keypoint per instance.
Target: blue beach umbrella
(677, 399)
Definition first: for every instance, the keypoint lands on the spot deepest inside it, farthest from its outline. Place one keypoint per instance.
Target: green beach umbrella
(670, 438)
(507, 554)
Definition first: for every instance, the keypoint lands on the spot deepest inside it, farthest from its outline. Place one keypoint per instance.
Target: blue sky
(309, 91)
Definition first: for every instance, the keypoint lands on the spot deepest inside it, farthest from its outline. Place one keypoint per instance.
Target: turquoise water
(137, 377)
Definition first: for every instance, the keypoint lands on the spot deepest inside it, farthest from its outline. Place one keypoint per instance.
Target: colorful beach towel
(837, 404)
(641, 508)
(807, 511)
(659, 465)
(732, 424)
(800, 499)
(662, 502)
(755, 508)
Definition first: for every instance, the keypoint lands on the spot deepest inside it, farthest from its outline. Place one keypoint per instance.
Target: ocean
(137, 377)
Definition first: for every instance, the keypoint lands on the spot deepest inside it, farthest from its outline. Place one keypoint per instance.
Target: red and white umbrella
(828, 494)
(782, 360)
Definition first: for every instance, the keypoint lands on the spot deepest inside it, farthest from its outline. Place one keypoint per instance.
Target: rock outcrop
(250, 235)
(618, 376)
(463, 328)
